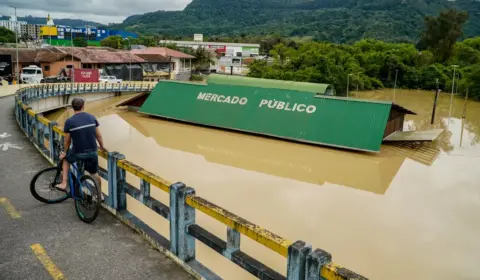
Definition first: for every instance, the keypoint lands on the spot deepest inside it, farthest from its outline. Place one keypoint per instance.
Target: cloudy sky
(103, 11)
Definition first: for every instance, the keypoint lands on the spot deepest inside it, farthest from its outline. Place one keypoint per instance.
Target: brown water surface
(405, 213)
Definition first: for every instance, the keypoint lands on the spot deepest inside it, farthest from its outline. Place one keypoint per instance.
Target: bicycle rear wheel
(42, 186)
(87, 205)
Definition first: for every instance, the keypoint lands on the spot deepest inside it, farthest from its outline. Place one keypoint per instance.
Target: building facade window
(46, 68)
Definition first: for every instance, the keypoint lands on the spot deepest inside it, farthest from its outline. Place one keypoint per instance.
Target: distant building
(230, 57)
(223, 49)
(157, 63)
(12, 24)
(180, 63)
(32, 30)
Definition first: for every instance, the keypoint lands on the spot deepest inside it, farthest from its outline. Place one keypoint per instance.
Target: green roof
(324, 89)
(294, 115)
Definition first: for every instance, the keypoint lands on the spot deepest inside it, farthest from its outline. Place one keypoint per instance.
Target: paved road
(105, 249)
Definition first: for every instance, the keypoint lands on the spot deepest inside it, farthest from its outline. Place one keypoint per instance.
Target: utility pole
(395, 86)
(435, 103)
(16, 46)
(451, 97)
(465, 106)
(348, 83)
(130, 58)
(72, 77)
(358, 82)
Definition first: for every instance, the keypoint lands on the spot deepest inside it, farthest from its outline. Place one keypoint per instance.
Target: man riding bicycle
(82, 129)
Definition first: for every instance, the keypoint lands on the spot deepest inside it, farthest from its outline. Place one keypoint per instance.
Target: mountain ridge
(61, 21)
(339, 21)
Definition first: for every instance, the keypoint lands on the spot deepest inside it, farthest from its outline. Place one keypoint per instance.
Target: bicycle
(84, 191)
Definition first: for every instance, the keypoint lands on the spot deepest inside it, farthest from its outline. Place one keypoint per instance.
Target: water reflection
(317, 165)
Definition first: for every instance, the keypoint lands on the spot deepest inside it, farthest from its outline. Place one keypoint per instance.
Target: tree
(6, 35)
(280, 53)
(472, 77)
(115, 42)
(25, 38)
(80, 42)
(371, 64)
(203, 57)
(442, 32)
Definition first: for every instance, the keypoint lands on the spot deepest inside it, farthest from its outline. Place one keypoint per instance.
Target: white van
(32, 75)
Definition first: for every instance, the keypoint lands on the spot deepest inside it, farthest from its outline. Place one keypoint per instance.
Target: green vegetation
(203, 58)
(338, 21)
(6, 35)
(115, 42)
(68, 43)
(196, 78)
(371, 64)
(80, 42)
(442, 32)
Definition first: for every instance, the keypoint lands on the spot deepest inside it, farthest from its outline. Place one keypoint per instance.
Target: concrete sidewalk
(7, 90)
(105, 249)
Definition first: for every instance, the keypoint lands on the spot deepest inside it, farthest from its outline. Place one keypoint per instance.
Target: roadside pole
(435, 103)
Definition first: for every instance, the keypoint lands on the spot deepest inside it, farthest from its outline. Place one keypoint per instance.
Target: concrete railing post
(297, 259)
(121, 197)
(315, 261)
(233, 242)
(144, 190)
(181, 216)
(51, 142)
(37, 124)
(28, 123)
(24, 120)
(16, 109)
(116, 194)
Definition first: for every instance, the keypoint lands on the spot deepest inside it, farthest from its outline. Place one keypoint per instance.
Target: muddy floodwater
(409, 212)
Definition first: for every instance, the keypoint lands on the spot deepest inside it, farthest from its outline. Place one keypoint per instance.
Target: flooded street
(405, 213)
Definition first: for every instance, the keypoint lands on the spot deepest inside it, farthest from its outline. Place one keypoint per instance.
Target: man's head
(77, 104)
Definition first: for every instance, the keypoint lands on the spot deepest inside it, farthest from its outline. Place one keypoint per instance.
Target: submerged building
(302, 112)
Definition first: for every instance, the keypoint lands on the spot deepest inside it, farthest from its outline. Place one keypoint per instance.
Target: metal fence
(302, 261)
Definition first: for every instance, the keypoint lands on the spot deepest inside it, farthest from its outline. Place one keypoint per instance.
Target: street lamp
(348, 83)
(130, 57)
(451, 97)
(16, 45)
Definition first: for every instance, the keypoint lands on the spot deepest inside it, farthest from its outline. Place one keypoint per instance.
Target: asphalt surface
(105, 249)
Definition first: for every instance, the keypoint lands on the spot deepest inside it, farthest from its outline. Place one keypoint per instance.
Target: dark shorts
(90, 160)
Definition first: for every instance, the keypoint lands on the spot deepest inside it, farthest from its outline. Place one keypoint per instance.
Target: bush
(196, 77)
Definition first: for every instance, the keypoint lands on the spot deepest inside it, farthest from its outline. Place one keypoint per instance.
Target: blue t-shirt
(82, 128)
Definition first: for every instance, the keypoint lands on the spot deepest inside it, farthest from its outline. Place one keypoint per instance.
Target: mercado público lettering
(270, 104)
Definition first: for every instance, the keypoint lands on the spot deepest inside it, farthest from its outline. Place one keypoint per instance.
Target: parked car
(110, 80)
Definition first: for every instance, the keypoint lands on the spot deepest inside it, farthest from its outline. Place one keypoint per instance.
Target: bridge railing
(302, 261)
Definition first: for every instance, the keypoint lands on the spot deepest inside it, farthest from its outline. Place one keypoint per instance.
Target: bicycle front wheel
(43, 184)
(88, 203)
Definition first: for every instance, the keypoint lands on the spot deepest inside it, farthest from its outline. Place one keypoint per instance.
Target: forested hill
(62, 21)
(340, 21)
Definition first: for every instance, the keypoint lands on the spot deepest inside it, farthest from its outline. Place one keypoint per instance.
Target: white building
(225, 49)
(232, 55)
(13, 24)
